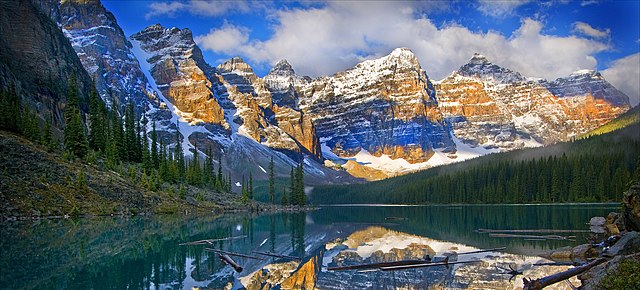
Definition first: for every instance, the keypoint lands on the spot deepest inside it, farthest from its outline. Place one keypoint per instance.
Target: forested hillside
(594, 169)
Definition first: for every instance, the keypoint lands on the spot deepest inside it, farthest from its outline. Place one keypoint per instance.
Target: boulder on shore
(631, 204)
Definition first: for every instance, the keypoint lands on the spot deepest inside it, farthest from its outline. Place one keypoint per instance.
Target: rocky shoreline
(617, 254)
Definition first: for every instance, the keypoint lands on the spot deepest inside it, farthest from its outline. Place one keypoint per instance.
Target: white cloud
(226, 39)
(500, 8)
(323, 40)
(198, 7)
(588, 30)
(588, 2)
(624, 74)
(164, 8)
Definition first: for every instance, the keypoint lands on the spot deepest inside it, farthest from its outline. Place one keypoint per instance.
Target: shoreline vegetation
(38, 184)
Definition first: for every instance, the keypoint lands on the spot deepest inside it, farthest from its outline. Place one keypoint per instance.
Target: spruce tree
(147, 161)
(75, 141)
(283, 199)
(154, 147)
(47, 136)
(272, 182)
(219, 179)
(97, 131)
(250, 189)
(179, 155)
(129, 133)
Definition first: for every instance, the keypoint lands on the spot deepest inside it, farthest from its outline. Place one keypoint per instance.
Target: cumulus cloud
(323, 40)
(624, 74)
(226, 39)
(588, 30)
(196, 7)
(500, 8)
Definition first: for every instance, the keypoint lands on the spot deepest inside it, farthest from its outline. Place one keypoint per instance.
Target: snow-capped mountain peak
(479, 67)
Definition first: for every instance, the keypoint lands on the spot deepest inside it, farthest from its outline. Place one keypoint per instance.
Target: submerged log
(378, 265)
(547, 237)
(405, 267)
(532, 231)
(209, 241)
(232, 254)
(558, 277)
(483, 251)
(227, 260)
(270, 254)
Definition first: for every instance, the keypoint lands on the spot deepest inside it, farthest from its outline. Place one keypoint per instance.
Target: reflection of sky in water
(143, 252)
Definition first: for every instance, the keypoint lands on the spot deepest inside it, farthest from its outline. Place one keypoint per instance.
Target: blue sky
(547, 39)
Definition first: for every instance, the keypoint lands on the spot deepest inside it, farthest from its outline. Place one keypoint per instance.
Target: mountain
(381, 118)
(228, 108)
(37, 59)
(495, 108)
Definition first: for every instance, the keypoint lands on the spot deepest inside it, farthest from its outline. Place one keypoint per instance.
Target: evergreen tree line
(19, 119)
(295, 195)
(107, 137)
(597, 169)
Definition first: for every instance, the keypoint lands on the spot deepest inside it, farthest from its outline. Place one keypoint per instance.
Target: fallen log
(232, 254)
(483, 251)
(532, 231)
(378, 265)
(558, 277)
(210, 241)
(227, 260)
(270, 254)
(547, 237)
(404, 267)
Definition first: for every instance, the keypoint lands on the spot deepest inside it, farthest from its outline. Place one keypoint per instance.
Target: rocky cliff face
(106, 54)
(180, 73)
(495, 107)
(384, 106)
(37, 59)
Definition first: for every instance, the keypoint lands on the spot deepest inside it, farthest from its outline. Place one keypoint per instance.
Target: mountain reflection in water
(143, 252)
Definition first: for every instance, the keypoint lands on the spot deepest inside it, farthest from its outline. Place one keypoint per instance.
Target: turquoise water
(143, 252)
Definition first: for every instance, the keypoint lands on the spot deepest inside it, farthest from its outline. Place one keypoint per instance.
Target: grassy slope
(628, 118)
(34, 182)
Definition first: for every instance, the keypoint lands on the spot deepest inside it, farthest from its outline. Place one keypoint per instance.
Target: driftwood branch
(555, 278)
(483, 251)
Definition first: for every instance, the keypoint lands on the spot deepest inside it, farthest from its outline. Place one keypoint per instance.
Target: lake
(144, 252)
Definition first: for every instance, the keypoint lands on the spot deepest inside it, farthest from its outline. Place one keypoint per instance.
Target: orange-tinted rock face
(385, 106)
(181, 73)
(496, 107)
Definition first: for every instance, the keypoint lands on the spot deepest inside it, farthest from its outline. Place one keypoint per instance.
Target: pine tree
(154, 147)
(10, 109)
(244, 191)
(250, 189)
(219, 179)
(283, 199)
(97, 131)
(147, 161)
(292, 187)
(299, 179)
(129, 133)
(272, 184)
(179, 155)
(75, 141)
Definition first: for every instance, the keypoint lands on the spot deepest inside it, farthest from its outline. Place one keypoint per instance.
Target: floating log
(483, 251)
(210, 241)
(232, 254)
(270, 254)
(404, 267)
(227, 260)
(395, 218)
(378, 265)
(555, 278)
(532, 231)
(547, 237)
